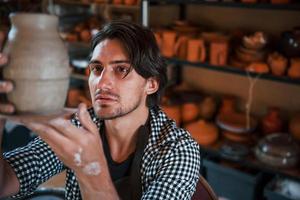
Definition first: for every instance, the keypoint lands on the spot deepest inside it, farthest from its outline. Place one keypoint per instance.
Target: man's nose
(106, 79)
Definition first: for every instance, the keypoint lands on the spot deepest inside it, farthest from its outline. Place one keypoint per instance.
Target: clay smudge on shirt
(77, 157)
(92, 169)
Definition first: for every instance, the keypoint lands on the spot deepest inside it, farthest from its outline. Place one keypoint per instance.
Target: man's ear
(152, 85)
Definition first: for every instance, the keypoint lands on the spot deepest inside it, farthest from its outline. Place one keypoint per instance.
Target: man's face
(116, 89)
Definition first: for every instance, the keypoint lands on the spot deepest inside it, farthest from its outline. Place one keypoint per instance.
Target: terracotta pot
(117, 2)
(294, 70)
(207, 108)
(190, 112)
(218, 53)
(258, 67)
(196, 50)
(174, 112)
(205, 133)
(278, 63)
(39, 64)
(228, 104)
(181, 47)
(168, 43)
(158, 39)
(237, 137)
(130, 2)
(272, 123)
(294, 126)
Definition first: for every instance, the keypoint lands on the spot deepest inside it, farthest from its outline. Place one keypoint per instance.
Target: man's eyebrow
(112, 62)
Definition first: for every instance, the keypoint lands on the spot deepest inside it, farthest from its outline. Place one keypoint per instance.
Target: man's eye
(96, 68)
(122, 70)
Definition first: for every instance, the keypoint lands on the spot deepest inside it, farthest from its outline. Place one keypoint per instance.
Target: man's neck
(121, 133)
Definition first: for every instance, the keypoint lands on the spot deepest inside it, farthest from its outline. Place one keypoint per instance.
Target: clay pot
(173, 111)
(117, 2)
(218, 52)
(190, 112)
(158, 39)
(258, 67)
(196, 50)
(277, 63)
(237, 137)
(294, 126)
(181, 47)
(228, 104)
(207, 108)
(130, 2)
(205, 133)
(272, 123)
(39, 64)
(168, 43)
(294, 70)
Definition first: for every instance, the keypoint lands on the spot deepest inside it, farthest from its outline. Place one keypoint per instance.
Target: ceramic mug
(196, 50)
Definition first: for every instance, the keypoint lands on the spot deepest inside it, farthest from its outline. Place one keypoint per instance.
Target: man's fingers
(3, 60)
(7, 108)
(85, 119)
(6, 86)
(47, 133)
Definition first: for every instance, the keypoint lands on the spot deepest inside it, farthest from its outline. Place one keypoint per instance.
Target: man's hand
(81, 150)
(5, 87)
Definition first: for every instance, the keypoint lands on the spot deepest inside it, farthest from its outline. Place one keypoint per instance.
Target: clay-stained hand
(81, 150)
(5, 87)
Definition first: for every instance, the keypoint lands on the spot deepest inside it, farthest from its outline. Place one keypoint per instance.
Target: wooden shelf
(252, 162)
(269, 6)
(234, 70)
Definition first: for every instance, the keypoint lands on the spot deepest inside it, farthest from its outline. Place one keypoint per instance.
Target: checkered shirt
(170, 164)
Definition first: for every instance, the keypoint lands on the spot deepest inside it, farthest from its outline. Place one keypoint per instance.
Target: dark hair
(143, 53)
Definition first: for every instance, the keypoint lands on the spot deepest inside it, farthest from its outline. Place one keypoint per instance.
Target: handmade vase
(294, 70)
(272, 123)
(38, 64)
(294, 126)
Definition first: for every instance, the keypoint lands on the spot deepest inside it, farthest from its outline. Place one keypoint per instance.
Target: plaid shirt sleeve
(177, 174)
(33, 165)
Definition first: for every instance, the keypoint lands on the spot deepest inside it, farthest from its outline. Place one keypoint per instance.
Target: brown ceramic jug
(196, 50)
(39, 64)
(294, 126)
(294, 70)
(168, 43)
(218, 53)
(181, 47)
(272, 123)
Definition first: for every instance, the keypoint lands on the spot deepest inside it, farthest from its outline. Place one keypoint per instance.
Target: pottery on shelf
(278, 150)
(278, 63)
(190, 111)
(196, 51)
(294, 70)
(39, 64)
(207, 108)
(294, 126)
(272, 121)
(205, 133)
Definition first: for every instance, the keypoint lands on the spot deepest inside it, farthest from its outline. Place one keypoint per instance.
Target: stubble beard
(116, 112)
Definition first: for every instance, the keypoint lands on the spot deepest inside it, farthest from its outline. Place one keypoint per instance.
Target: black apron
(130, 187)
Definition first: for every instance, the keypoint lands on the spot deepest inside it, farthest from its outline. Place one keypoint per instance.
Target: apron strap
(135, 172)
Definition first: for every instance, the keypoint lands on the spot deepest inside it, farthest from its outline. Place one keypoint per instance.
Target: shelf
(291, 6)
(233, 70)
(252, 162)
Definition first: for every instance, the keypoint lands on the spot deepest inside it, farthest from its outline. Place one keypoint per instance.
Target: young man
(124, 146)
